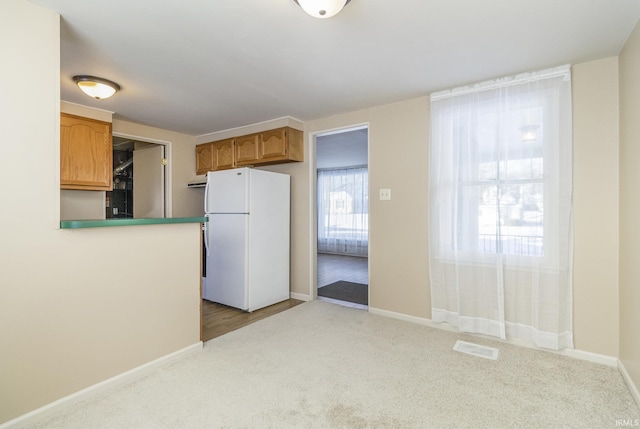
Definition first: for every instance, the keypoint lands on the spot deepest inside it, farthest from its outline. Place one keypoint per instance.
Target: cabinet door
(247, 149)
(85, 154)
(223, 156)
(204, 158)
(273, 145)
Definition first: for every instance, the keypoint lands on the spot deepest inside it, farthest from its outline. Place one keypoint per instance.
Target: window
(498, 168)
(500, 208)
(503, 187)
(343, 211)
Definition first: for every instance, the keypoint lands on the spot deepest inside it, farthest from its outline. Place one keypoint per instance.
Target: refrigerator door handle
(205, 229)
(206, 195)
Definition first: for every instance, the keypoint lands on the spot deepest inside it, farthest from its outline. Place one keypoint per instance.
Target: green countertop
(98, 223)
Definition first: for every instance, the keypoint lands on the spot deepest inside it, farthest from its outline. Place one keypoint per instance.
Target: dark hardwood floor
(218, 319)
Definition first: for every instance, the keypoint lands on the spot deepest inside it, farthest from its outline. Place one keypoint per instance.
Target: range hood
(198, 182)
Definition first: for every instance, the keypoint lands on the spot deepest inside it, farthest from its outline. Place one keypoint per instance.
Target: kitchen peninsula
(99, 223)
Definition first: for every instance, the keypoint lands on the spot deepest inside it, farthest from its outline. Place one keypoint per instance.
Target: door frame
(168, 154)
(313, 192)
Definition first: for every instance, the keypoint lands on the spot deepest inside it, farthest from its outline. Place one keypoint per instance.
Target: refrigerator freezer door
(227, 191)
(227, 260)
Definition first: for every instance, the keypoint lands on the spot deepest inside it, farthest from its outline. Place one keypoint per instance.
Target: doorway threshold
(344, 303)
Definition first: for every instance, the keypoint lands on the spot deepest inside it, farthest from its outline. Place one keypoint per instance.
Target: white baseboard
(294, 295)
(46, 411)
(574, 353)
(589, 356)
(632, 386)
(412, 319)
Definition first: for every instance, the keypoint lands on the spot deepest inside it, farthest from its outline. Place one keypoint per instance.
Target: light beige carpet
(319, 365)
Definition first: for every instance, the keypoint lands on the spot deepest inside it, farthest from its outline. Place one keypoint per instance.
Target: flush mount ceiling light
(322, 8)
(96, 87)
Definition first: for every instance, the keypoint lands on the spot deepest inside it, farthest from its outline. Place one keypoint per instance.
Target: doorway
(140, 179)
(343, 217)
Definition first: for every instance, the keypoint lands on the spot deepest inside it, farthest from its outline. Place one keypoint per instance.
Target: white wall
(398, 241)
(398, 159)
(77, 306)
(80, 205)
(630, 206)
(595, 205)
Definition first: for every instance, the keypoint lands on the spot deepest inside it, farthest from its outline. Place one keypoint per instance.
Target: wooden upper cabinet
(204, 158)
(223, 156)
(280, 145)
(273, 144)
(247, 149)
(268, 147)
(86, 153)
(215, 156)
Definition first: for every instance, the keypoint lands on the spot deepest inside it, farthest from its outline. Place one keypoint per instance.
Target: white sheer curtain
(343, 211)
(500, 223)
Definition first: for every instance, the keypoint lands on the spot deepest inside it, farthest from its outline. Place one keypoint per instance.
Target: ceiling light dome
(322, 8)
(96, 87)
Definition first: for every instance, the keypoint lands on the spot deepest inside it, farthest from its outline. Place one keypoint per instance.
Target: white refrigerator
(247, 238)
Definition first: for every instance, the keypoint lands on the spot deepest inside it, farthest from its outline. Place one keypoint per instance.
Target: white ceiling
(345, 149)
(201, 66)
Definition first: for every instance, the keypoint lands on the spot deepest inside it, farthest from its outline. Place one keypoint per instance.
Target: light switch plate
(385, 194)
